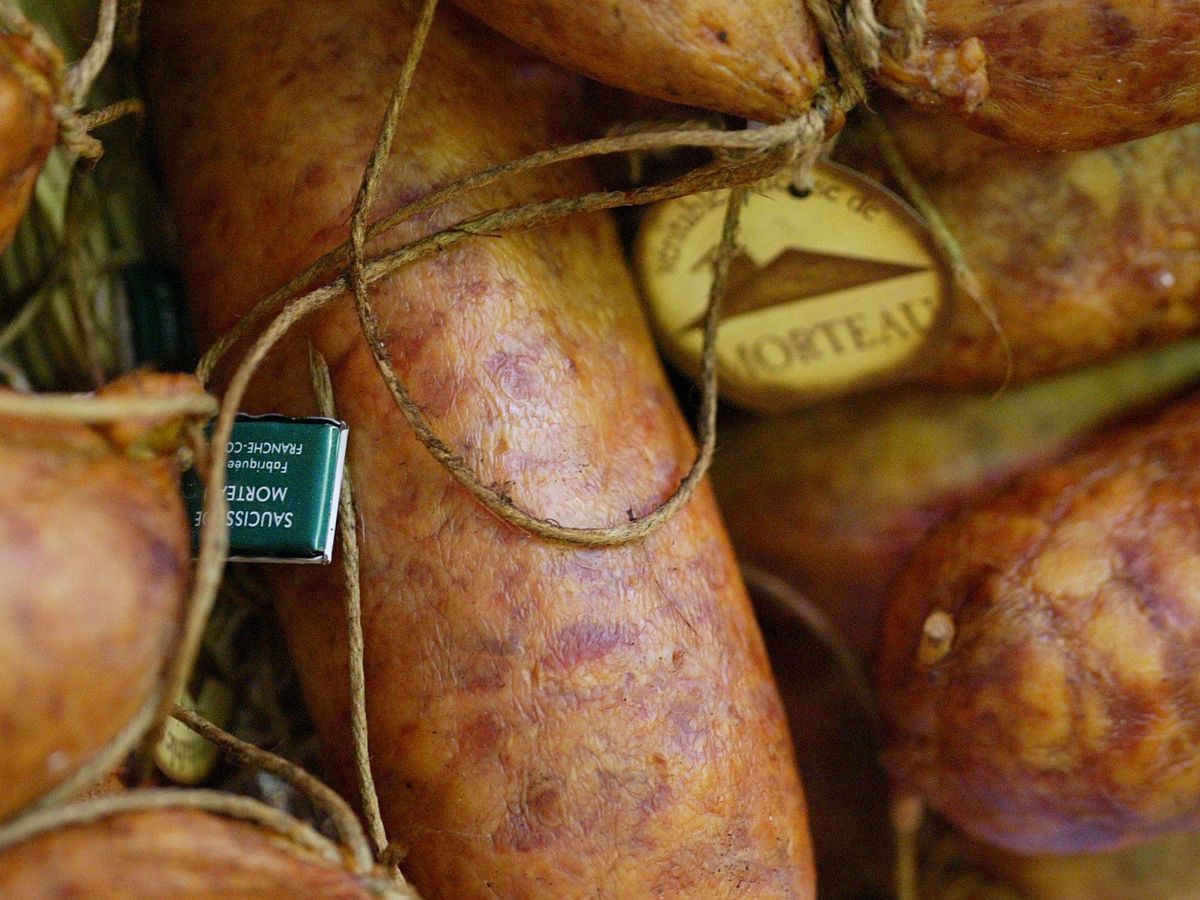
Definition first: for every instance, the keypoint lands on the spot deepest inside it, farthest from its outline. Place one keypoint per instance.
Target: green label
(283, 478)
(161, 335)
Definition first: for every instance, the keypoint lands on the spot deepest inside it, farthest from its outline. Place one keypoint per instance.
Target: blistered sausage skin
(761, 59)
(545, 721)
(1058, 713)
(1054, 75)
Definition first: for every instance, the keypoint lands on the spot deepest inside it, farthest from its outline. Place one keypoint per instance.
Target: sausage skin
(1081, 255)
(28, 93)
(837, 497)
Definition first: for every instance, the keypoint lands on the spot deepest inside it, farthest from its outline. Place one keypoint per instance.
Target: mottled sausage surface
(93, 566)
(761, 59)
(545, 721)
(1054, 75)
(1040, 653)
(171, 854)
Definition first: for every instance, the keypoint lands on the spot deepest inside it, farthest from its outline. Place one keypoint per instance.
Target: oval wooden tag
(831, 290)
(184, 756)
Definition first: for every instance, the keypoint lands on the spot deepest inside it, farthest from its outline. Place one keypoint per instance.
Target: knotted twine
(73, 84)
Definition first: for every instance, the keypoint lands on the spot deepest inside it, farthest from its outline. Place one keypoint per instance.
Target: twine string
(763, 141)
(323, 797)
(97, 409)
(214, 536)
(348, 534)
(767, 152)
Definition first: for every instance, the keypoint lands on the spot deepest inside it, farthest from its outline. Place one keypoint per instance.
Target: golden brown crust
(27, 126)
(1063, 716)
(761, 59)
(1052, 75)
(93, 565)
(1081, 255)
(174, 854)
(545, 721)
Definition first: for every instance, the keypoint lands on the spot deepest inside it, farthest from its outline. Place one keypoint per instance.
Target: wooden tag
(829, 291)
(184, 756)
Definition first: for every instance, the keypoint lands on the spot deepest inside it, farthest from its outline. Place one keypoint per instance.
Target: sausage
(761, 59)
(1081, 255)
(1038, 664)
(94, 550)
(28, 92)
(544, 720)
(1055, 76)
(836, 498)
(170, 853)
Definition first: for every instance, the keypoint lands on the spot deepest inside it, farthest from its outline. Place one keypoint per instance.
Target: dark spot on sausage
(483, 674)
(408, 340)
(24, 617)
(480, 736)
(1031, 30)
(1114, 29)
(546, 805)
(314, 175)
(690, 734)
(515, 374)
(165, 560)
